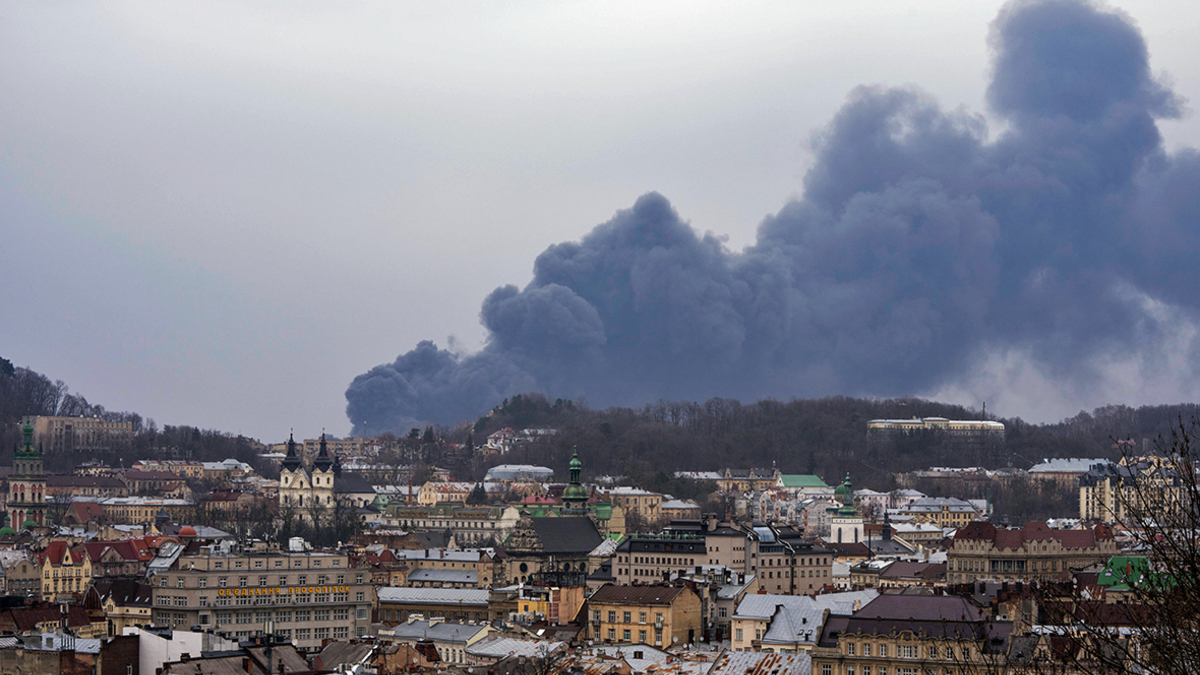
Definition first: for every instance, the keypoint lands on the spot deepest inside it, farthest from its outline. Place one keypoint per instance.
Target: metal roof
(434, 596)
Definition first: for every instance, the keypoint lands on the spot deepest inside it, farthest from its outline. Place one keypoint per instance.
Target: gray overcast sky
(220, 213)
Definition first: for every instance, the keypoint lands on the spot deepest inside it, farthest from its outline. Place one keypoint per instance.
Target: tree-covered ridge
(24, 391)
(827, 436)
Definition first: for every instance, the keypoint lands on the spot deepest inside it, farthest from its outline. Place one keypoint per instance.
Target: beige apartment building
(310, 596)
(472, 525)
(912, 635)
(1136, 487)
(1035, 552)
(662, 616)
(434, 492)
(649, 558)
(635, 500)
(80, 433)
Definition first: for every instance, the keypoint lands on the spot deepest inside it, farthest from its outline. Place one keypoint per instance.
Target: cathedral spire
(323, 462)
(292, 461)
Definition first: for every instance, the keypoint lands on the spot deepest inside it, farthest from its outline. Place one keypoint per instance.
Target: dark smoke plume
(919, 245)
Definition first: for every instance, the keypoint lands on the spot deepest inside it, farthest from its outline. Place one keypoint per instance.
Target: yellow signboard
(282, 590)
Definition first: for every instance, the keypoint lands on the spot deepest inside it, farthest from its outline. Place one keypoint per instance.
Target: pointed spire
(292, 461)
(323, 462)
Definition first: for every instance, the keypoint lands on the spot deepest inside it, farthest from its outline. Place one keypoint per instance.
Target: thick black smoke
(919, 243)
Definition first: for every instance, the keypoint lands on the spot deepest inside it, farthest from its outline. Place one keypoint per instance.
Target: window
(279, 563)
(262, 580)
(242, 582)
(283, 617)
(223, 582)
(258, 564)
(641, 636)
(179, 582)
(341, 632)
(612, 616)
(625, 636)
(628, 617)
(360, 613)
(612, 634)
(321, 615)
(303, 633)
(358, 597)
(721, 611)
(738, 635)
(850, 649)
(217, 565)
(302, 616)
(826, 669)
(867, 650)
(303, 580)
(341, 614)
(204, 601)
(883, 650)
(202, 582)
(238, 564)
(283, 580)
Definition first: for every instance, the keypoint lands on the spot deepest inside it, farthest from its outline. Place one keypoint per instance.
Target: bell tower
(27, 485)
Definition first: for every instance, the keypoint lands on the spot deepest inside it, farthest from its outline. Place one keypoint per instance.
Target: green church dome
(29, 523)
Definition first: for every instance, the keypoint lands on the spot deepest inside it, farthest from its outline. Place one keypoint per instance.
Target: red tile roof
(1012, 539)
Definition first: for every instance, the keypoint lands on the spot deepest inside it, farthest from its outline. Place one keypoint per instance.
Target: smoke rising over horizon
(925, 255)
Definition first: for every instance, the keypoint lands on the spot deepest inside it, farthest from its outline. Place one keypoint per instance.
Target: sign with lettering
(282, 590)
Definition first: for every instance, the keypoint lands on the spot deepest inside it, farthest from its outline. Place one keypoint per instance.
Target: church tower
(293, 479)
(322, 475)
(575, 495)
(27, 485)
(846, 526)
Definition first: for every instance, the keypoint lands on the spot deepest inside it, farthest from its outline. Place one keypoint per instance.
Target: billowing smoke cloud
(921, 248)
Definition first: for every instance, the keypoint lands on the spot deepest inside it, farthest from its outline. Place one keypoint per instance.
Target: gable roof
(57, 552)
(349, 482)
(570, 534)
(635, 595)
(84, 512)
(73, 481)
(124, 592)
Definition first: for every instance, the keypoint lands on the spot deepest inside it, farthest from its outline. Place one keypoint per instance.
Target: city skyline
(220, 216)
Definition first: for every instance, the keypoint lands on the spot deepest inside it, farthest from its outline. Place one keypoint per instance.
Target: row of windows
(263, 580)
(827, 669)
(627, 635)
(301, 616)
(259, 563)
(626, 616)
(289, 599)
